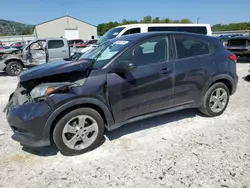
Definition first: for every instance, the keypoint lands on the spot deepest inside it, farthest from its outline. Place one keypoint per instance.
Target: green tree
(186, 21)
(167, 20)
(175, 21)
(124, 21)
(231, 26)
(156, 20)
(147, 19)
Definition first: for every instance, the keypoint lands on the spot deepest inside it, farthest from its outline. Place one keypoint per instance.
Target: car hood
(9, 51)
(50, 69)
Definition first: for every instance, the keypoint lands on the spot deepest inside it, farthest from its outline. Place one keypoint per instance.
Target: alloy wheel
(80, 132)
(15, 68)
(218, 100)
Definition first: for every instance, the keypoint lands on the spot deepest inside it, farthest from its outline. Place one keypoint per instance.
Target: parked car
(129, 29)
(123, 80)
(37, 52)
(18, 45)
(4, 47)
(240, 46)
(224, 40)
(89, 42)
(76, 56)
(82, 44)
(75, 42)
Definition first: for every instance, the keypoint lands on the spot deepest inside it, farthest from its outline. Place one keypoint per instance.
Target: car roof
(162, 24)
(50, 38)
(139, 36)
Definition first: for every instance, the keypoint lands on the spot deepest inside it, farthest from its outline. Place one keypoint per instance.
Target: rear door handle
(165, 71)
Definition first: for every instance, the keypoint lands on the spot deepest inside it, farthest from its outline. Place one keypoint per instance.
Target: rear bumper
(234, 87)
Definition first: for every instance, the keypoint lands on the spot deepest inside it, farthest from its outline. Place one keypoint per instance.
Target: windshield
(105, 52)
(110, 34)
(238, 42)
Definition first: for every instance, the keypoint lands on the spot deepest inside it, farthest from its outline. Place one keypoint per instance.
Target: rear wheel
(14, 68)
(216, 100)
(79, 131)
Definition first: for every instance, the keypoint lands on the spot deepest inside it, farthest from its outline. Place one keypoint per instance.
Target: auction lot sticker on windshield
(122, 42)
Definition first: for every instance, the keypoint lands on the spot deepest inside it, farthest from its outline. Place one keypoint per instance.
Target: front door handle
(165, 71)
(63, 50)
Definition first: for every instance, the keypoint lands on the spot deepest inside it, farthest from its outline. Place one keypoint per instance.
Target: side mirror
(124, 66)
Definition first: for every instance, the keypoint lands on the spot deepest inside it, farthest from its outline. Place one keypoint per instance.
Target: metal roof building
(67, 27)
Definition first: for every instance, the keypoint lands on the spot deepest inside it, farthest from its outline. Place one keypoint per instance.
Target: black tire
(58, 130)
(205, 108)
(18, 68)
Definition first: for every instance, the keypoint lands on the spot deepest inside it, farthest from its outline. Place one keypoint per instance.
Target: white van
(143, 28)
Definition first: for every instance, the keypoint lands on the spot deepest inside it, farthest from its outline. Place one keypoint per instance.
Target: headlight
(45, 89)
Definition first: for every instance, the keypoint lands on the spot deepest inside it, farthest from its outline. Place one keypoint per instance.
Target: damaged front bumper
(27, 121)
(8, 54)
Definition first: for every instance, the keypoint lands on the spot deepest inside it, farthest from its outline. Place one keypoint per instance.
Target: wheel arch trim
(84, 101)
(216, 79)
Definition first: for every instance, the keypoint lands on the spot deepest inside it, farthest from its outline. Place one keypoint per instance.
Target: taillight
(233, 57)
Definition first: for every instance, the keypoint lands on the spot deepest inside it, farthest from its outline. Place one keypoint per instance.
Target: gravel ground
(180, 149)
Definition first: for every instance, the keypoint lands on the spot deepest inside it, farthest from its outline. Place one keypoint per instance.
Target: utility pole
(67, 19)
(198, 20)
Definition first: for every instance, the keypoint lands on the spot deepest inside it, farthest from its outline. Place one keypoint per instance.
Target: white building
(67, 27)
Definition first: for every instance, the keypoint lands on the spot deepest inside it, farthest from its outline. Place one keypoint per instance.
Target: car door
(36, 54)
(57, 49)
(146, 88)
(193, 64)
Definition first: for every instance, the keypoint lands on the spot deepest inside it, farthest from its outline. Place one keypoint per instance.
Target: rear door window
(194, 29)
(190, 47)
(53, 44)
(201, 30)
(152, 29)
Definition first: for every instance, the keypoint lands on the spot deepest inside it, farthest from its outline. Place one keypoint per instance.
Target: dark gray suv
(123, 80)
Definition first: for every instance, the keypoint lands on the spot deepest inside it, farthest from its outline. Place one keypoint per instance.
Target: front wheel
(14, 68)
(79, 131)
(215, 100)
